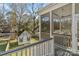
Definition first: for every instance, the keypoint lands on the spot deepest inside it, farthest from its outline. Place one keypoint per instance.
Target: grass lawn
(33, 40)
(3, 47)
(13, 45)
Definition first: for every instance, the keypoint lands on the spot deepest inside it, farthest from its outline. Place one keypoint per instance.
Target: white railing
(63, 51)
(63, 45)
(41, 48)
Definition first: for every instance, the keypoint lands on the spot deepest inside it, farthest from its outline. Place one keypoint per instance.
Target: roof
(50, 4)
(24, 33)
(45, 7)
(50, 7)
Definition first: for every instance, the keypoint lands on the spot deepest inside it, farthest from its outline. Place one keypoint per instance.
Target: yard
(15, 44)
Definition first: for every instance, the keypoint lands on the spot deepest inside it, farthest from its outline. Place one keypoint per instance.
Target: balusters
(37, 50)
(18, 53)
(29, 51)
(42, 48)
(31, 48)
(62, 40)
(49, 47)
(23, 52)
(46, 50)
(34, 50)
(26, 52)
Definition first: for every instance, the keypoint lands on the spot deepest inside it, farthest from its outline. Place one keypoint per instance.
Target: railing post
(74, 29)
(52, 42)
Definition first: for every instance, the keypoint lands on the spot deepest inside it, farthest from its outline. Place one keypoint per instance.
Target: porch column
(51, 36)
(60, 25)
(74, 29)
(39, 27)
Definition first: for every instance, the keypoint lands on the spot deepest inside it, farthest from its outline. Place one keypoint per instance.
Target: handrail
(22, 47)
(58, 34)
(34, 44)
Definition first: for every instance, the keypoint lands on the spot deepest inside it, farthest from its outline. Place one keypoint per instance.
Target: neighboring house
(24, 38)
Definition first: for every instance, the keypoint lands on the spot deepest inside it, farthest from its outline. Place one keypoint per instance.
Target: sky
(24, 1)
(39, 1)
(36, 5)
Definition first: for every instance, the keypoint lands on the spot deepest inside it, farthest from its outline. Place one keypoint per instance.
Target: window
(66, 19)
(45, 26)
(62, 19)
(66, 25)
(56, 22)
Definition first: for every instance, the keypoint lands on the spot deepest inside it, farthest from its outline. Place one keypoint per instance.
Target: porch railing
(63, 40)
(63, 45)
(41, 48)
(63, 51)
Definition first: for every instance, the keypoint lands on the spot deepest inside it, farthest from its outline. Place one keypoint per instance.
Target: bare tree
(33, 12)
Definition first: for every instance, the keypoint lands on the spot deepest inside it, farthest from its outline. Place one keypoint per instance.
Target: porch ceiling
(51, 7)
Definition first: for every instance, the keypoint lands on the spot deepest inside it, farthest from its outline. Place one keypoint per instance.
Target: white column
(39, 27)
(74, 29)
(60, 24)
(50, 23)
(51, 36)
